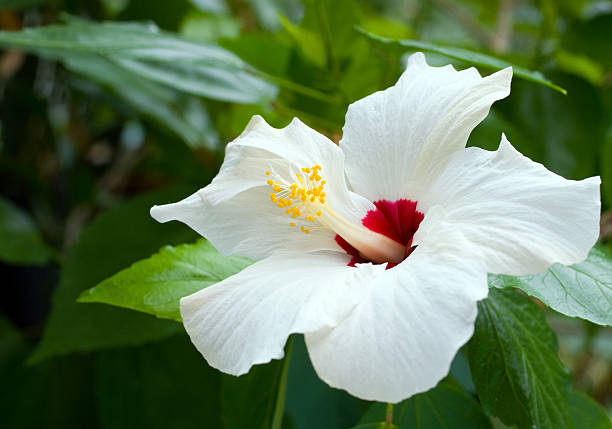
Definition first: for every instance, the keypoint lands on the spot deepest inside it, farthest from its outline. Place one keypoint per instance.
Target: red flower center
(398, 220)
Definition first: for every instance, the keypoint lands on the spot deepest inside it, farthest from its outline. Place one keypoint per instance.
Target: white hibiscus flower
(376, 250)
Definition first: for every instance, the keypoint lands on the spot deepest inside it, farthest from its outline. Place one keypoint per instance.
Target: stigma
(304, 201)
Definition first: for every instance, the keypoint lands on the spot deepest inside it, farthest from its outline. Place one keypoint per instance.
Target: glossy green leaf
(156, 284)
(587, 413)
(114, 240)
(513, 358)
(470, 57)
(196, 68)
(583, 290)
(183, 115)
(161, 385)
(444, 406)
(21, 242)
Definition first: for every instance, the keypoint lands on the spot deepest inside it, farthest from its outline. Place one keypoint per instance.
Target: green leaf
(471, 57)
(551, 127)
(583, 290)
(268, 12)
(196, 68)
(160, 385)
(183, 115)
(513, 358)
(306, 392)
(381, 425)
(253, 400)
(156, 284)
(587, 413)
(444, 406)
(21, 242)
(115, 239)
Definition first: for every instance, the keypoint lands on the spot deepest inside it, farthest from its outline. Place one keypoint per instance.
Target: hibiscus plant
(359, 243)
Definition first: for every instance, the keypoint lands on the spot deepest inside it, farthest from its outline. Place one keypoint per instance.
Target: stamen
(305, 199)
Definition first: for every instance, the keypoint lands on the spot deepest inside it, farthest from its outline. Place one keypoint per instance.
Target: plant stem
(389, 414)
(301, 89)
(279, 407)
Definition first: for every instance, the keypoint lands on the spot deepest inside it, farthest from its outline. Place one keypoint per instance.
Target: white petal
(247, 224)
(396, 140)
(401, 338)
(522, 216)
(235, 212)
(246, 319)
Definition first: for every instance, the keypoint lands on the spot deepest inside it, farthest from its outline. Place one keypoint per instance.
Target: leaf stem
(279, 407)
(389, 414)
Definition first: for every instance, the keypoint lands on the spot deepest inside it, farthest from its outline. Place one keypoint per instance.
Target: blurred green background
(101, 121)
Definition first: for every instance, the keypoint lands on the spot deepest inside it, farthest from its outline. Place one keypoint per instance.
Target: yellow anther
(304, 230)
(308, 189)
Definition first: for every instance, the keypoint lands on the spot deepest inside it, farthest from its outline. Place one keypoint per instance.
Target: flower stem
(389, 414)
(279, 408)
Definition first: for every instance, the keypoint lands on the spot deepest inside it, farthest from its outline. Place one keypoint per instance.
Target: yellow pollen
(301, 199)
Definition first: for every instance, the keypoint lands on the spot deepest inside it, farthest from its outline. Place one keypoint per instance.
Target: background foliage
(110, 106)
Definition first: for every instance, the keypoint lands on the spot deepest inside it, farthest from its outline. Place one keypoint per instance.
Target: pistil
(305, 201)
